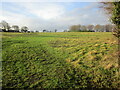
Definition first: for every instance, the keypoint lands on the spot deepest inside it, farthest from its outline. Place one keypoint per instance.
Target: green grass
(60, 60)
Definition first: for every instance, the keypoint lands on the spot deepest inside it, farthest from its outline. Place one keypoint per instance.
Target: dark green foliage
(116, 17)
(113, 9)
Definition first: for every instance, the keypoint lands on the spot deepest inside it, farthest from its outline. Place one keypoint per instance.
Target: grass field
(60, 60)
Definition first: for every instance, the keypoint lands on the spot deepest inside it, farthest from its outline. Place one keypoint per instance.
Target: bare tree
(83, 28)
(113, 11)
(24, 29)
(5, 25)
(15, 28)
(97, 28)
(75, 28)
(90, 27)
(108, 28)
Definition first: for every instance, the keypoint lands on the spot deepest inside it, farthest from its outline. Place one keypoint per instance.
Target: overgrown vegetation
(113, 9)
(60, 60)
(92, 28)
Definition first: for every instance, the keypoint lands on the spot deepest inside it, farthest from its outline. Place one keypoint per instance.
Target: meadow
(60, 60)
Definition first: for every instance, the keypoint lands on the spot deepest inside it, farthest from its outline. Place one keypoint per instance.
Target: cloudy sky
(52, 15)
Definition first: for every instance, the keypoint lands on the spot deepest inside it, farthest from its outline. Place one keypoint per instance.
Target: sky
(52, 15)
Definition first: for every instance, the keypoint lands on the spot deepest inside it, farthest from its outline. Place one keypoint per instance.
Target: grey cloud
(86, 15)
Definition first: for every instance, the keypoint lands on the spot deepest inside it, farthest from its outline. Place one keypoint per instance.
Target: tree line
(91, 28)
(50, 30)
(5, 27)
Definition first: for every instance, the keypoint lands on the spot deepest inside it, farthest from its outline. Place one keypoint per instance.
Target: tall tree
(103, 29)
(15, 28)
(5, 25)
(44, 30)
(75, 28)
(24, 29)
(55, 30)
(113, 9)
(1, 27)
(108, 28)
(83, 28)
(116, 18)
(97, 28)
(90, 27)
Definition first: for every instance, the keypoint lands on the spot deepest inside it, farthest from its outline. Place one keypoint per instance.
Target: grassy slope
(51, 60)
